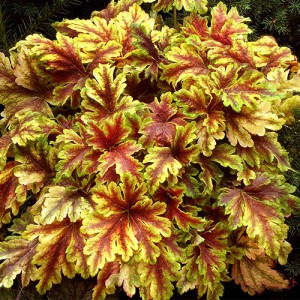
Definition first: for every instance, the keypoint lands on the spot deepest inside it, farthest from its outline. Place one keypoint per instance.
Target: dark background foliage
(279, 18)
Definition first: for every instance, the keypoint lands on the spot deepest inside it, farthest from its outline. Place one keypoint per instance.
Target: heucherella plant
(146, 156)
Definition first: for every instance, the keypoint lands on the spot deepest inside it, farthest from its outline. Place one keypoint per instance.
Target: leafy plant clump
(146, 156)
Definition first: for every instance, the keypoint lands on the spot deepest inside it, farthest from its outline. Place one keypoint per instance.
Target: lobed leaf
(18, 254)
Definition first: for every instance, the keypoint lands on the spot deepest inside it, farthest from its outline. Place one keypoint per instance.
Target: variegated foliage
(146, 156)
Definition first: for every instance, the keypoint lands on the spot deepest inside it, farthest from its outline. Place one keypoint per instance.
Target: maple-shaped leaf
(146, 57)
(36, 161)
(257, 207)
(159, 127)
(116, 151)
(73, 152)
(32, 125)
(167, 161)
(126, 223)
(256, 275)
(156, 279)
(225, 26)
(124, 21)
(241, 126)
(206, 261)
(104, 95)
(17, 255)
(61, 201)
(173, 197)
(185, 60)
(239, 52)
(60, 58)
(21, 88)
(12, 194)
(238, 90)
(60, 251)
(269, 149)
(198, 6)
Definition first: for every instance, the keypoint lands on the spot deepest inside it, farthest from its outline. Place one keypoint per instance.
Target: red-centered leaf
(126, 223)
(61, 59)
(225, 26)
(173, 198)
(146, 58)
(157, 278)
(111, 133)
(159, 127)
(199, 6)
(254, 276)
(12, 194)
(36, 163)
(101, 289)
(269, 149)
(278, 58)
(115, 151)
(205, 263)
(185, 61)
(60, 251)
(196, 25)
(103, 95)
(72, 154)
(17, 254)
(162, 165)
(31, 95)
(237, 90)
(240, 127)
(168, 161)
(106, 52)
(224, 154)
(257, 207)
(124, 21)
(239, 52)
(183, 148)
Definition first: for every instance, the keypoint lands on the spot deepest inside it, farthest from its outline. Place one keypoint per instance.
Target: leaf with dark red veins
(17, 254)
(115, 151)
(126, 223)
(238, 90)
(36, 163)
(269, 149)
(5, 144)
(21, 88)
(157, 278)
(199, 6)
(254, 276)
(173, 198)
(225, 26)
(12, 194)
(160, 125)
(60, 251)
(185, 61)
(72, 155)
(146, 57)
(257, 207)
(104, 95)
(240, 127)
(206, 261)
